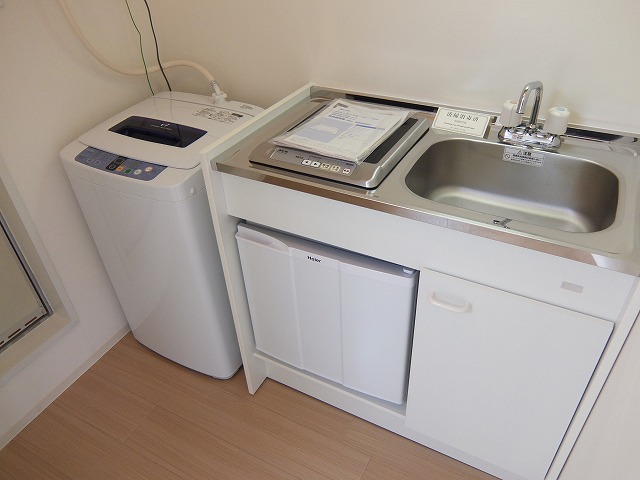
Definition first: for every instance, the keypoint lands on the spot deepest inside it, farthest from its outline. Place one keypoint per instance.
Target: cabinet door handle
(434, 300)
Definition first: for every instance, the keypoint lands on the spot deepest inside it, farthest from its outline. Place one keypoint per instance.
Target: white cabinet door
(496, 377)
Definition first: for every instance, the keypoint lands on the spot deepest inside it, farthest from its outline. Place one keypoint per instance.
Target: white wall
(51, 90)
(471, 53)
(474, 53)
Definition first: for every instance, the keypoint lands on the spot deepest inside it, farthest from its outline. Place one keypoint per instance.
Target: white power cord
(218, 95)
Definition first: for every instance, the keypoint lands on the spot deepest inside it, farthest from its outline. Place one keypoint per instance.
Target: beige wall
(50, 92)
(474, 53)
(471, 53)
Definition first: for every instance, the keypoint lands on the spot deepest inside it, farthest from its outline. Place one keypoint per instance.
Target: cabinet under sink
(496, 377)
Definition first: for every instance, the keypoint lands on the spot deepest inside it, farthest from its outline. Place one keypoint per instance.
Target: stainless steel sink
(556, 191)
(581, 203)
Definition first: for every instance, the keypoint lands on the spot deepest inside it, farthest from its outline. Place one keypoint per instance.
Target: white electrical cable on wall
(218, 94)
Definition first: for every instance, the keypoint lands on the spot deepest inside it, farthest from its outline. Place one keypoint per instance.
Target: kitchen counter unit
(516, 329)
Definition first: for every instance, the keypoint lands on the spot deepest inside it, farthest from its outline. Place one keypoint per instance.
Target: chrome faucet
(529, 133)
(524, 97)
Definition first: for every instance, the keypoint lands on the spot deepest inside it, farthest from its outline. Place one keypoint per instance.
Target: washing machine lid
(169, 129)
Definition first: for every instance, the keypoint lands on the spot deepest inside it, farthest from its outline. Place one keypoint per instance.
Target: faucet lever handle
(510, 116)
(557, 120)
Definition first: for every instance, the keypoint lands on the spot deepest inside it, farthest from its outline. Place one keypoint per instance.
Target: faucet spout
(524, 97)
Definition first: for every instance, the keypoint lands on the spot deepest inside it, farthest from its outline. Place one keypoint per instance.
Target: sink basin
(560, 192)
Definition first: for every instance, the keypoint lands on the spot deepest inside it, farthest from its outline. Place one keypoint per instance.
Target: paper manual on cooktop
(345, 130)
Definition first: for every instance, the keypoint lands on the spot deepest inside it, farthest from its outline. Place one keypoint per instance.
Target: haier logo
(313, 259)
(163, 126)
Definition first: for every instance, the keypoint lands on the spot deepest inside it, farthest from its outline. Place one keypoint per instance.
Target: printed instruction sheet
(346, 130)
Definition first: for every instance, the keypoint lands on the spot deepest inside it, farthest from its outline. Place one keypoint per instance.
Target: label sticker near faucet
(523, 156)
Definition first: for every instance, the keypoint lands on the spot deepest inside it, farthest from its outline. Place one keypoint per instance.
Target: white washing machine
(138, 180)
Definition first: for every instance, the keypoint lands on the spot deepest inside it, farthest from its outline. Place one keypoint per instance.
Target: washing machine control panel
(119, 165)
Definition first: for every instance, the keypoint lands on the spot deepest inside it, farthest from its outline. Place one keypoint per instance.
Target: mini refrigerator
(340, 315)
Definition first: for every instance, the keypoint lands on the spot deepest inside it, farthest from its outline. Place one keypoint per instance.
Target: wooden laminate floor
(137, 415)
